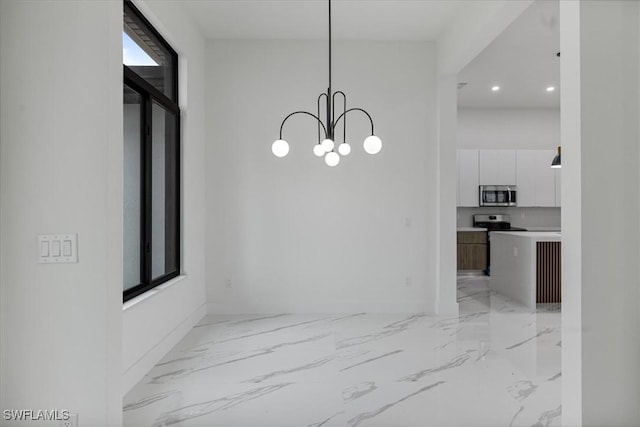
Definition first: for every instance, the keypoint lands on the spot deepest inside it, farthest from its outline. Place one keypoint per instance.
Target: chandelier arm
(308, 114)
(344, 109)
(356, 109)
(320, 122)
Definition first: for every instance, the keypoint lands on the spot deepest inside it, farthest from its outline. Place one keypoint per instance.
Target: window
(151, 157)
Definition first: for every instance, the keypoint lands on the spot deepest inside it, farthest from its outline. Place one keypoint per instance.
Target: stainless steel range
(497, 222)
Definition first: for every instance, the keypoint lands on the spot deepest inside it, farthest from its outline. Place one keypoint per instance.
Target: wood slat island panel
(548, 272)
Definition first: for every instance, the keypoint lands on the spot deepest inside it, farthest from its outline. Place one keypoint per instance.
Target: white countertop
(529, 229)
(537, 235)
(542, 228)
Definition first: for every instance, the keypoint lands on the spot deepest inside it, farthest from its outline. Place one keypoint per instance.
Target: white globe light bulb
(344, 149)
(318, 150)
(332, 159)
(280, 148)
(372, 144)
(328, 145)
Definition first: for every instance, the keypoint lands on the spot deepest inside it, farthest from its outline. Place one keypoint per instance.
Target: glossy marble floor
(497, 364)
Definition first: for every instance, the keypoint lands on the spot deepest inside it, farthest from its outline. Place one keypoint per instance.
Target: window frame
(150, 94)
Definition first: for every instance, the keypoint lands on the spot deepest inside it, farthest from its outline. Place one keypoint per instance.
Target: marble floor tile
(496, 364)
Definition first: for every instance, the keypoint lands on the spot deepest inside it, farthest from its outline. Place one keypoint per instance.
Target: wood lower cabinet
(472, 250)
(472, 257)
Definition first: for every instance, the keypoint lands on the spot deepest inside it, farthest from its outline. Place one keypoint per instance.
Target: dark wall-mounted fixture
(326, 146)
(557, 161)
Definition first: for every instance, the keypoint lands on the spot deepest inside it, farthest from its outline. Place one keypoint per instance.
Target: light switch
(58, 248)
(66, 248)
(55, 248)
(44, 248)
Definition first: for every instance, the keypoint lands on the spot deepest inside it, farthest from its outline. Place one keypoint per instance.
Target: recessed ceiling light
(551, 88)
(495, 88)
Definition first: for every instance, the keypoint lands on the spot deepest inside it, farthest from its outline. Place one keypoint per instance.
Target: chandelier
(326, 146)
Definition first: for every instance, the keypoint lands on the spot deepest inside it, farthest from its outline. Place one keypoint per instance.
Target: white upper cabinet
(497, 167)
(467, 189)
(536, 180)
(538, 183)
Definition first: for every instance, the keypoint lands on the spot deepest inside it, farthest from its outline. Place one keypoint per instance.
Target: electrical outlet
(407, 281)
(72, 421)
(515, 251)
(227, 283)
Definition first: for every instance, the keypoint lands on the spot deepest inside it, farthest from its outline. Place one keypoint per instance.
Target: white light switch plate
(57, 248)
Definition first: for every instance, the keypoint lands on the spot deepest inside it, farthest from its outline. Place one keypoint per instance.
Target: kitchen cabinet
(472, 250)
(538, 183)
(497, 167)
(467, 188)
(536, 180)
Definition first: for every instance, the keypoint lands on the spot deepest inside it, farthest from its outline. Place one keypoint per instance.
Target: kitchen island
(525, 266)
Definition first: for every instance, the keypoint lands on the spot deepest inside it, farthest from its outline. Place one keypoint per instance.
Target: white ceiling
(307, 19)
(522, 61)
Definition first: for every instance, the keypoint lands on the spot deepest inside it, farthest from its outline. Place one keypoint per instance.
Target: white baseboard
(139, 369)
(319, 307)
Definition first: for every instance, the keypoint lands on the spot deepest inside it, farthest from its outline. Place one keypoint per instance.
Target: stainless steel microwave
(498, 195)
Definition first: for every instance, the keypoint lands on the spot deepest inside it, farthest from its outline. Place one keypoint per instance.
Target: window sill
(137, 300)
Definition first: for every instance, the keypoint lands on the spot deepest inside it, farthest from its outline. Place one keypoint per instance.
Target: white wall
(570, 96)
(496, 128)
(601, 320)
(155, 321)
(447, 290)
(293, 234)
(61, 172)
